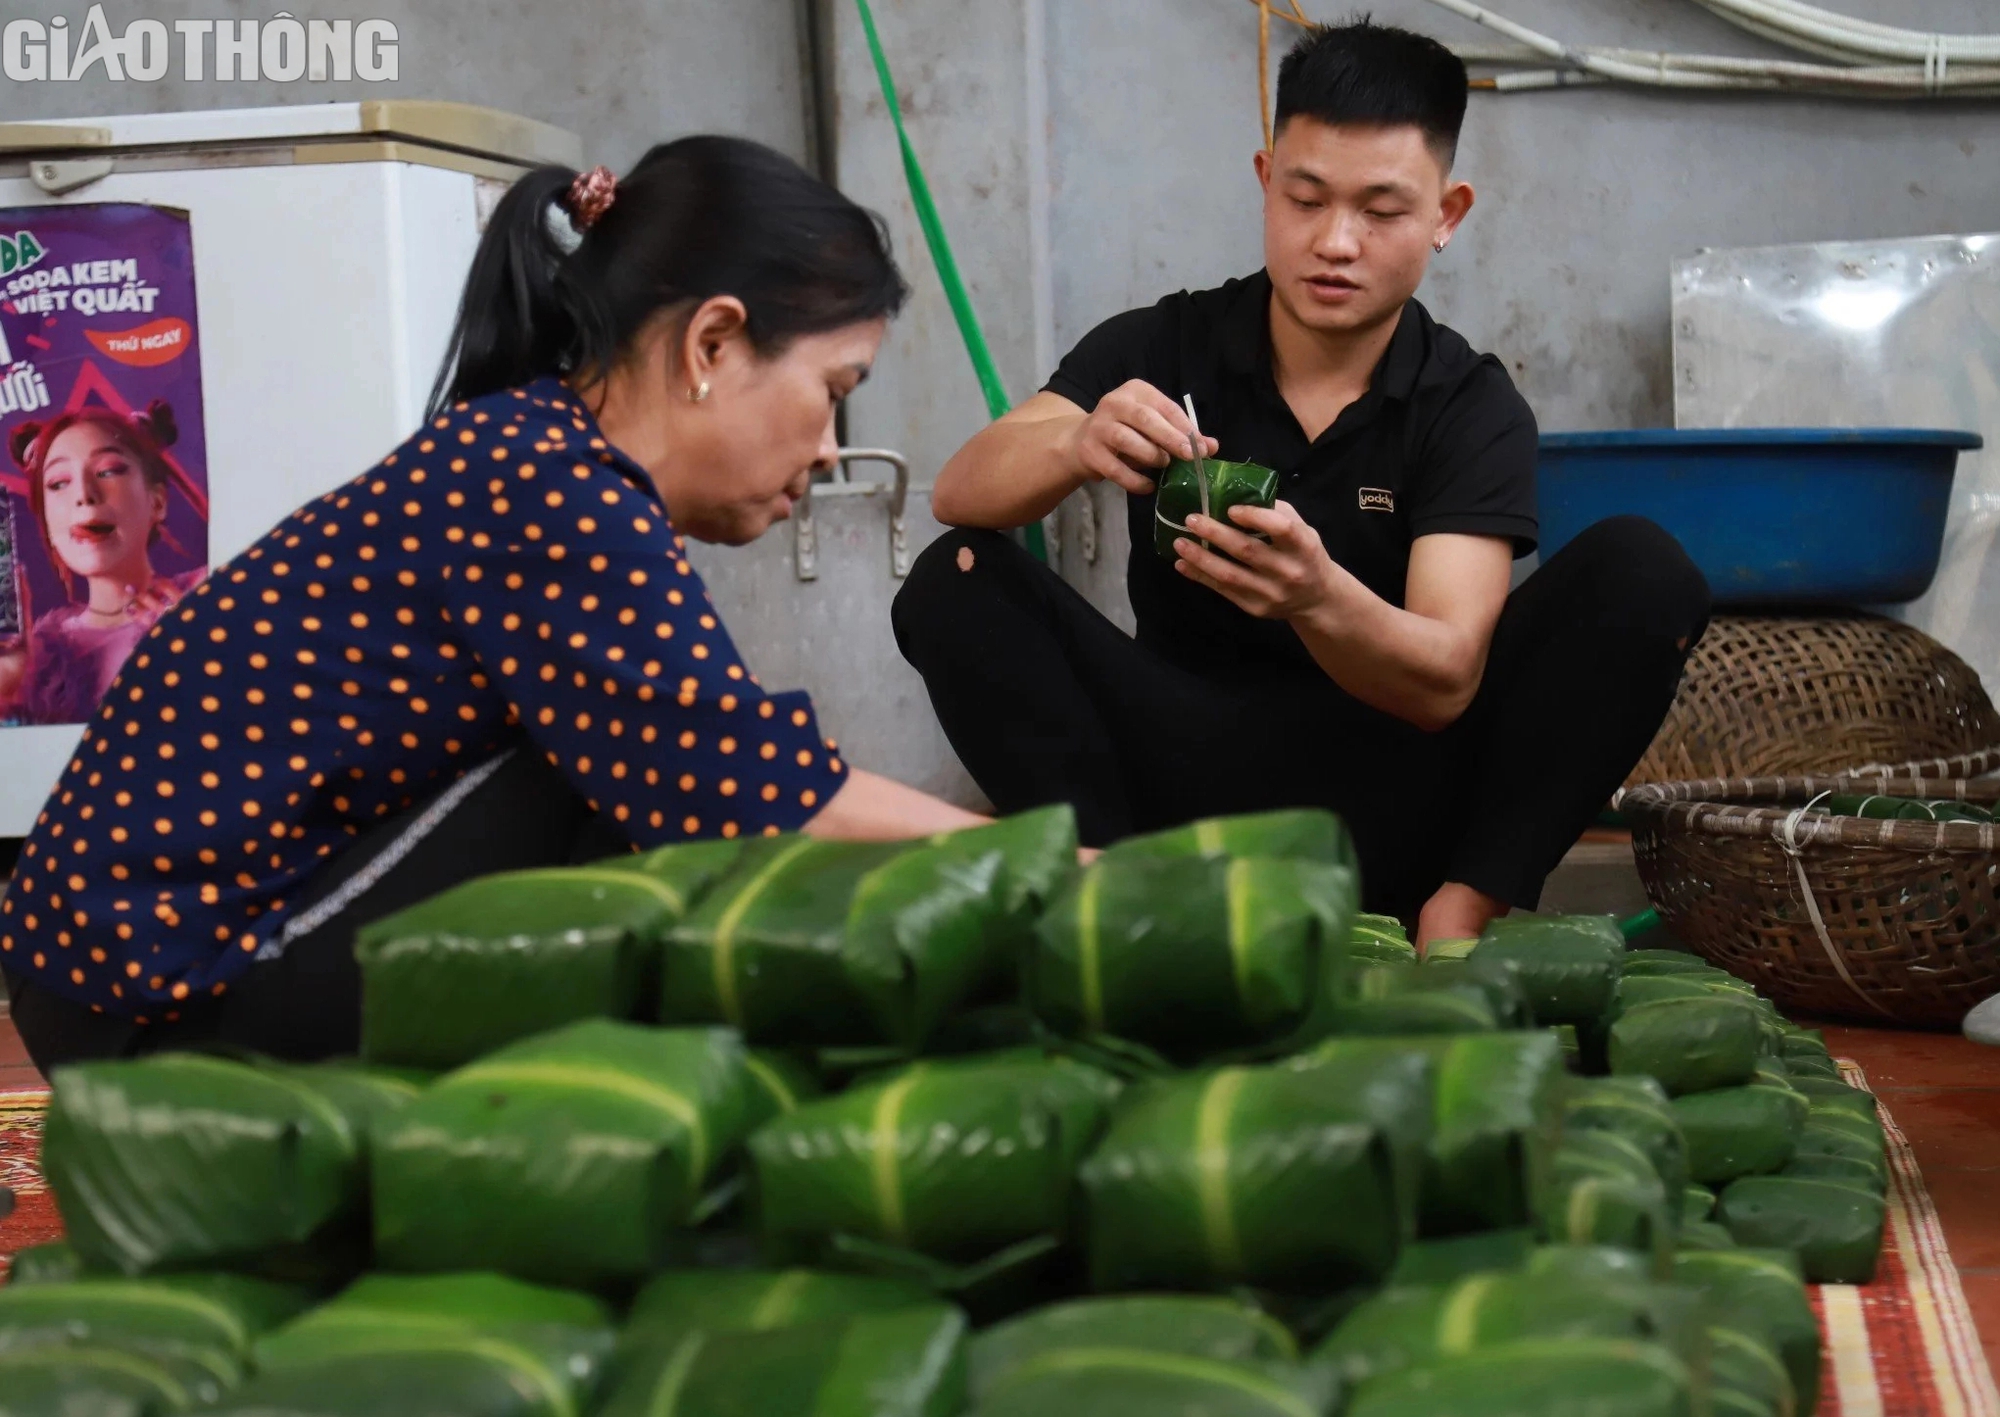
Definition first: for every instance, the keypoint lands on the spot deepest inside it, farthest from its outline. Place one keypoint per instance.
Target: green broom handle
(941, 254)
(1639, 924)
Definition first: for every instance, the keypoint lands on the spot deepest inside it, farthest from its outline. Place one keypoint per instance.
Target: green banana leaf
(1772, 1072)
(1806, 1065)
(907, 1362)
(1635, 1108)
(1198, 1326)
(1835, 1229)
(1739, 1131)
(1804, 1042)
(1244, 1175)
(1401, 1000)
(1760, 1293)
(1139, 1382)
(1565, 1035)
(763, 950)
(942, 926)
(1603, 1191)
(507, 956)
(469, 1344)
(1569, 964)
(188, 1313)
(1497, 979)
(1704, 1235)
(1194, 957)
(1390, 1086)
(1666, 962)
(1591, 1264)
(1689, 1045)
(782, 1081)
(183, 1160)
(1636, 989)
(1499, 1099)
(951, 1159)
(1461, 948)
(569, 1158)
(1379, 939)
(1830, 1151)
(679, 1302)
(1836, 1095)
(687, 869)
(1230, 484)
(83, 1379)
(1746, 1377)
(46, 1264)
(1555, 1378)
(1430, 1262)
(1697, 1203)
(1288, 833)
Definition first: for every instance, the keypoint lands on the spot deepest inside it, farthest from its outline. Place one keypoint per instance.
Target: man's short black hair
(1362, 72)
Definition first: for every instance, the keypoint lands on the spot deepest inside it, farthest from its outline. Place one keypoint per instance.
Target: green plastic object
(570, 1158)
(906, 1362)
(1739, 1131)
(1760, 1293)
(1200, 1326)
(1689, 1045)
(1243, 1175)
(503, 957)
(184, 1161)
(459, 1343)
(1286, 833)
(1192, 957)
(679, 1302)
(1834, 1228)
(952, 1159)
(1548, 1378)
(1230, 484)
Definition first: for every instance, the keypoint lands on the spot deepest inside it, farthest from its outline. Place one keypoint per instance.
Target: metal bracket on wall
(805, 545)
(57, 176)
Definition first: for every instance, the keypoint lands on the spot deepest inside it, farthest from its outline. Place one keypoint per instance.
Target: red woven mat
(1902, 1346)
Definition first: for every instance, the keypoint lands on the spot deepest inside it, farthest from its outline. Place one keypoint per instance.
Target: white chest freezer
(329, 244)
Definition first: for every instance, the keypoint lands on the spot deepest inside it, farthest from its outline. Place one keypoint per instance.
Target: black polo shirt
(1441, 442)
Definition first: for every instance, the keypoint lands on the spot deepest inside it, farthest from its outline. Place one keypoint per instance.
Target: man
(1369, 658)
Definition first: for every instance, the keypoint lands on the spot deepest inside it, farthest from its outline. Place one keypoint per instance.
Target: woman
(488, 652)
(97, 482)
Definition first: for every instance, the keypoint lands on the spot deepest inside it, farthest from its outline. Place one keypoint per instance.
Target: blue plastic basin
(1851, 516)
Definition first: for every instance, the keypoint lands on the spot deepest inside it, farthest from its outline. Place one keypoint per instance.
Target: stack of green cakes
(951, 1127)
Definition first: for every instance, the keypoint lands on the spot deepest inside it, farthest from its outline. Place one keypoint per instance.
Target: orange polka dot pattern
(503, 577)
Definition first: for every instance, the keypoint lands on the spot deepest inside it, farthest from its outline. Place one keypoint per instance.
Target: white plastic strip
(1789, 840)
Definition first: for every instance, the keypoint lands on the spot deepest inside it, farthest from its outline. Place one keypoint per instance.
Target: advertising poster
(103, 466)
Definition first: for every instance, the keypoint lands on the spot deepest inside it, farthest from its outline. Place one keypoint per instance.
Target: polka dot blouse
(505, 574)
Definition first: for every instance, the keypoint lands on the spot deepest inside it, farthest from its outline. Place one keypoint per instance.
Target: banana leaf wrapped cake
(1688, 1044)
(678, 1302)
(1835, 1228)
(183, 1160)
(1240, 1176)
(570, 1158)
(1569, 965)
(1200, 1326)
(1547, 1378)
(1739, 1131)
(450, 1343)
(1230, 484)
(506, 956)
(1288, 833)
(1760, 1294)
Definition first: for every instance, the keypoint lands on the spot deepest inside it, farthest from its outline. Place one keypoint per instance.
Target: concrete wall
(623, 73)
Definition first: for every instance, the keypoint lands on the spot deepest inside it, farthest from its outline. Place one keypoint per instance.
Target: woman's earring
(1437, 245)
(698, 392)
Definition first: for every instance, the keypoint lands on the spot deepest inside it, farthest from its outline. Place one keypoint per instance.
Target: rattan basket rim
(1740, 807)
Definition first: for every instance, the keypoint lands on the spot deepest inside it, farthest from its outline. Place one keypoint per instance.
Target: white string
(1789, 839)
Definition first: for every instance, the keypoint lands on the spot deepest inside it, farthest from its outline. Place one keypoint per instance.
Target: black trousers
(306, 1003)
(1046, 701)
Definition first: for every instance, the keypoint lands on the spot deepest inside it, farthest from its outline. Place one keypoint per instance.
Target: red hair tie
(590, 197)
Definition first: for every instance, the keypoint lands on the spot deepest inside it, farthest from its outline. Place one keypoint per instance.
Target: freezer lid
(414, 127)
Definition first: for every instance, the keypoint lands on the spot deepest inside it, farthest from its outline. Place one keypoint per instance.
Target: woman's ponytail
(551, 293)
(523, 315)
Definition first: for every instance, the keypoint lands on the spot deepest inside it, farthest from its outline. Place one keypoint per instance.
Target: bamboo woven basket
(1782, 695)
(1907, 924)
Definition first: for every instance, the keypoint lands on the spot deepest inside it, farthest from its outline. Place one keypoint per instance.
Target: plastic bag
(184, 1160)
(1244, 1175)
(1688, 1045)
(954, 1160)
(570, 1158)
(507, 956)
(1739, 1131)
(1195, 957)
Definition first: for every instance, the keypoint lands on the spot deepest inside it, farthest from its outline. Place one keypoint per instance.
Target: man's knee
(1633, 574)
(929, 610)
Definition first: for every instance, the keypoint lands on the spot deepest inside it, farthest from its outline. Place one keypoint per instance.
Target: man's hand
(1133, 428)
(1290, 576)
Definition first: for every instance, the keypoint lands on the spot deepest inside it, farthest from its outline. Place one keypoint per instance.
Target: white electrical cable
(1858, 39)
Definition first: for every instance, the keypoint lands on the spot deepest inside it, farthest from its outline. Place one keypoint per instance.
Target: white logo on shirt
(1377, 499)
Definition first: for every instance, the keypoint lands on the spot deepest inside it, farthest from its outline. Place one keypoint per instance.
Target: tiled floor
(1944, 1092)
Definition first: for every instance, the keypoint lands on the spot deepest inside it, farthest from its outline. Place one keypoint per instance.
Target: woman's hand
(871, 807)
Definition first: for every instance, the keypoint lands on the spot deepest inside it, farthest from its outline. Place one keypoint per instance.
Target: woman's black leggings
(1045, 701)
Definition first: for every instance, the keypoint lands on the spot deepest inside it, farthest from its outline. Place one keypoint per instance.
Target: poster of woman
(103, 476)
